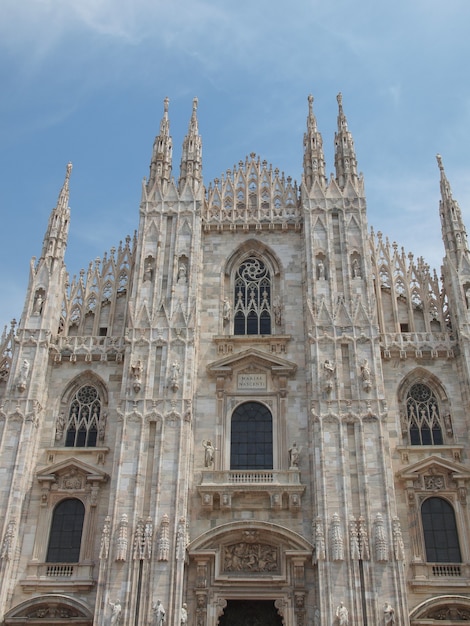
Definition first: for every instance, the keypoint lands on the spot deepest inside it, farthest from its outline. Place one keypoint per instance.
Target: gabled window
(252, 298)
(66, 532)
(251, 443)
(423, 417)
(440, 532)
(84, 418)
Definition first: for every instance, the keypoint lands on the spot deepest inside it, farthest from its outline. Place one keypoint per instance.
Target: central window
(252, 298)
(251, 439)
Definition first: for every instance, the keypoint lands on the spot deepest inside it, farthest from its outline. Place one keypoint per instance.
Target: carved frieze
(250, 557)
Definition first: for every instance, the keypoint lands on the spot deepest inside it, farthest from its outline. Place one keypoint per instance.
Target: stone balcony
(418, 345)
(55, 577)
(442, 575)
(225, 489)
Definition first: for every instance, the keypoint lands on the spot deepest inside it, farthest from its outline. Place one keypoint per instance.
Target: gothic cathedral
(254, 411)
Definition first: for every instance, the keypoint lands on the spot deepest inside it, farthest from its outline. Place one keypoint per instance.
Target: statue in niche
(175, 374)
(389, 613)
(227, 310)
(356, 270)
(38, 303)
(136, 373)
(209, 451)
(277, 310)
(321, 270)
(59, 426)
(158, 614)
(329, 372)
(23, 377)
(294, 454)
(342, 614)
(365, 374)
(182, 277)
(148, 270)
(116, 613)
(184, 615)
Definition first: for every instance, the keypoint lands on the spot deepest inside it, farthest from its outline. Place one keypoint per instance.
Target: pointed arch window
(440, 531)
(84, 424)
(423, 417)
(252, 298)
(66, 532)
(251, 443)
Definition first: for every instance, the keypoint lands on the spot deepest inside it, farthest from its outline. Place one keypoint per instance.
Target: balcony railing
(77, 576)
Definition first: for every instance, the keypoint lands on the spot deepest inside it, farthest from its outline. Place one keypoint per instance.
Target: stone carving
(208, 453)
(250, 557)
(398, 545)
(381, 543)
(365, 375)
(116, 611)
(38, 303)
(389, 614)
(294, 454)
(342, 615)
(7, 545)
(182, 274)
(457, 614)
(164, 539)
(363, 539)
(277, 310)
(354, 540)
(434, 482)
(227, 311)
(136, 375)
(52, 612)
(104, 546)
(148, 269)
(158, 613)
(148, 538)
(182, 540)
(122, 539)
(139, 541)
(72, 480)
(316, 616)
(329, 373)
(321, 274)
(174, 376)
(59, 426)
(23, 376)
(184, 615)
(337, 544)
(320, 551)
(356, 270)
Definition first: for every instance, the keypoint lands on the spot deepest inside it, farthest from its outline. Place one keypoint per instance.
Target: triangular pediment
(252, 357)
(434, 464)
(72, 466)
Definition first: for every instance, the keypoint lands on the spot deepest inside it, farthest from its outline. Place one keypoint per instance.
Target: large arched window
(251, 443)
(83, 423)
(423, 418)
(440, 532)
(66, 532)
(252, 298)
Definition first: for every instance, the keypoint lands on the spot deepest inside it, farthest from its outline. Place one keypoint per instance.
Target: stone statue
(277, 310)
(182, 274)
(321, 270)
(184, 615)
(23, 377)
(38, 302)
(158, 614)
(342, 614)
(116, 613)
(389, 613)
(227, 310)
(356, 272)
(294, 454)
(209, 453)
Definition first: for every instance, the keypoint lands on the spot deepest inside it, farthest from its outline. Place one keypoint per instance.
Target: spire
(314, 160)
(345, 155)
(191, 159)
(453, 228)
(161, 163)
(55, 239)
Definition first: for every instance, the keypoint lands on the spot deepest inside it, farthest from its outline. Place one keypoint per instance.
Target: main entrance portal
(250, 613)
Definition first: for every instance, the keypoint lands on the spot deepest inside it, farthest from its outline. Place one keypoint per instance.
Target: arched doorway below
(250, 613)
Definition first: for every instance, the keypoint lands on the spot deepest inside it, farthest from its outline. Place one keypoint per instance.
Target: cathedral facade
(253, 411)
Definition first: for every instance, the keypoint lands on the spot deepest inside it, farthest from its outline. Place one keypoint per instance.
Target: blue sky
(84, 80)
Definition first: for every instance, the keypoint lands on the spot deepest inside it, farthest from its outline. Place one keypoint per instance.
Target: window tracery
(84, 424)
(423, 420)
(252, 298)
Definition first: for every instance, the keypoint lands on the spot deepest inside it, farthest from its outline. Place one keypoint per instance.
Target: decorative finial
(166, 102)
(439, 162)
(310, 104)
(68, 171)
(339, 98)
(195, 102)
